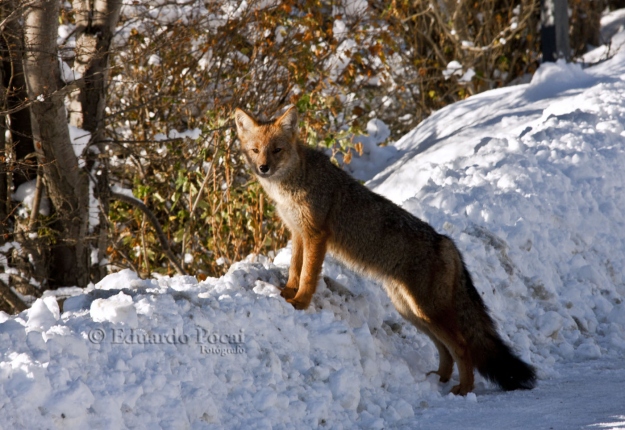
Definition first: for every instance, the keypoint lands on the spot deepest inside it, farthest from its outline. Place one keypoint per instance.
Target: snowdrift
(529, 182)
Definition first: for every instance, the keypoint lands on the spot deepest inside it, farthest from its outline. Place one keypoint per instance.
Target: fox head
(269, 147)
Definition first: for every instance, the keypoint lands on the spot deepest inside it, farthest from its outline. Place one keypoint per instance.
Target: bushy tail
(491, 356)
(507, 370)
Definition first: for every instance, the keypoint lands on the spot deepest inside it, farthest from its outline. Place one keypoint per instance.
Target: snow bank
(529, 182)
(177, 353)
(531, 189)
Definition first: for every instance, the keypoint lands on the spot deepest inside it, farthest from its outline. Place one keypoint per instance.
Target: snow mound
(531, 190)
(117, 309)
(553, 78)
(226, 350)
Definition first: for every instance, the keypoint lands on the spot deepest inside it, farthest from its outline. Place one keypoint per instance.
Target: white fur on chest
(287, 209)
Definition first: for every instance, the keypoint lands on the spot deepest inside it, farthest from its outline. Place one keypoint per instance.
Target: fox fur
(325, 209)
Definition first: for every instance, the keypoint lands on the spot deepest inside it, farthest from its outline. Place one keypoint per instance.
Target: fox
(327, 210)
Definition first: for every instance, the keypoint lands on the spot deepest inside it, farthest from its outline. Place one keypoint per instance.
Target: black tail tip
(510, 372)
(521, 376)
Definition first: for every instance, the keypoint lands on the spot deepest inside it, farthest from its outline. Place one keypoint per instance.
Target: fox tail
(491, 356)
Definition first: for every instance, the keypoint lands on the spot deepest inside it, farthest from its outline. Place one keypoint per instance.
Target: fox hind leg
(442, 327)
(445, 359)
(408, 309)
(446, 331)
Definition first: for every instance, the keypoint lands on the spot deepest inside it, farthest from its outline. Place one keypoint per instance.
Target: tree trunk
(66, 184)
(96, 21)
(554, 31)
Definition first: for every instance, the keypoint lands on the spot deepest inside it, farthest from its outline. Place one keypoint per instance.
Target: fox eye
(275, 151)
(255, 150)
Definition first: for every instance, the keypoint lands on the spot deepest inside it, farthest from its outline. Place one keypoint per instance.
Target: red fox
(423, 273)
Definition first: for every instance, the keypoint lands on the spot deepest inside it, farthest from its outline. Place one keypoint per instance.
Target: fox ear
(245, 123)
(288, 120)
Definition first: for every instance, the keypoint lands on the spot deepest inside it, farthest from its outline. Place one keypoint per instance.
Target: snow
(125, 278)
(582, 395)
(191, 134)
(467, 76)
(68, 75)
(80, 139)
(116, 188)
(355, 7)
(154, 60)
(116, 309)
(25, 193)
(374, 157)
(453, 68)
(528, 181)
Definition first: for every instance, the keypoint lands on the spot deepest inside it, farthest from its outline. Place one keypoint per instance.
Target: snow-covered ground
(528, 180)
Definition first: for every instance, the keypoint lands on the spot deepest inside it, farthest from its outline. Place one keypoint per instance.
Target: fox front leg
(295, 270)
(314, 252)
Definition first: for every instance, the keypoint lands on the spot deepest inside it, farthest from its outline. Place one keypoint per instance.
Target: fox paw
(460, 390)
(288, 293)
(299, 304)
(441, 378)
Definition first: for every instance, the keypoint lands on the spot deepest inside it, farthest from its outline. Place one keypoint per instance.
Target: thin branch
(143, 246)
(416, 15)
(155, 224)
(206, 178)
(195, 203)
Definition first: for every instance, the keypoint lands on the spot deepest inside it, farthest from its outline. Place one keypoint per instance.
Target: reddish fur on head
(269, 147)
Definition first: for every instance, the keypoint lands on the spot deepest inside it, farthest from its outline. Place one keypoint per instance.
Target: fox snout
(263, 169)
(263, 163)
(269, 147)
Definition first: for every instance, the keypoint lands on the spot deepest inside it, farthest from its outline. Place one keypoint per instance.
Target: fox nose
(263, 168)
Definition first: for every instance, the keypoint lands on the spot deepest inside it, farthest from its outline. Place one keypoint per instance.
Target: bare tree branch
(155, 224)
